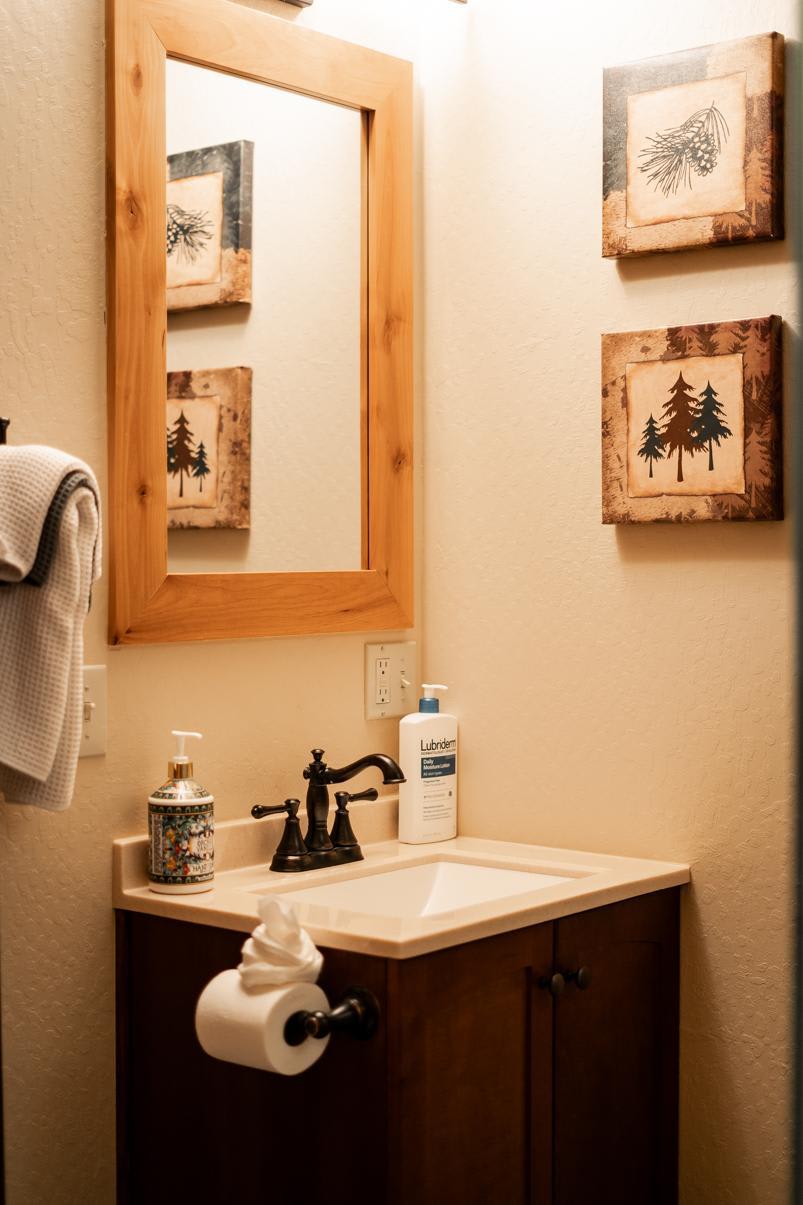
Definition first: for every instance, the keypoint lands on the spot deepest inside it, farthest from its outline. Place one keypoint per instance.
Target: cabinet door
(616, 1055)
(196, 1129)
(464, 1054)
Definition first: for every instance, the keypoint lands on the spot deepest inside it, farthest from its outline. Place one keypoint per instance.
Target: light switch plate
(93, 730)
(391, 679)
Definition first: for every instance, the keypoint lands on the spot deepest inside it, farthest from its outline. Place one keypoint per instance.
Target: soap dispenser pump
(428, 757)
(181, 829)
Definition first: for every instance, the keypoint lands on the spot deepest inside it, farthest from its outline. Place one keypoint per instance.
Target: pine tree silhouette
(708, 426)
(679, 415)
(183, 459)
(652, 447)
(201, 466)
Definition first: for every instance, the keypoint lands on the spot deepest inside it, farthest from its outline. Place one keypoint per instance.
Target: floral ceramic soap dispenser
(181, 829)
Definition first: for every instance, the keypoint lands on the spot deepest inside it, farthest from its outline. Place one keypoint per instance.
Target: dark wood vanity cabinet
(481, 1085)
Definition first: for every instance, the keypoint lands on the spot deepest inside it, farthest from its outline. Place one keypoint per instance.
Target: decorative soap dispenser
(181, 829)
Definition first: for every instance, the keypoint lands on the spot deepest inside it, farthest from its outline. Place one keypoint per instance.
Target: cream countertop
(591, 881)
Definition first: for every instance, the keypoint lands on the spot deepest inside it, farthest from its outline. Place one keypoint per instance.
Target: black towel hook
(5, 423)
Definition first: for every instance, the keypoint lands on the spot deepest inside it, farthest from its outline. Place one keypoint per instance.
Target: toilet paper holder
(357, 1014)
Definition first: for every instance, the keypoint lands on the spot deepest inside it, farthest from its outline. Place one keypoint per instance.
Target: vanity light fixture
(299, 3)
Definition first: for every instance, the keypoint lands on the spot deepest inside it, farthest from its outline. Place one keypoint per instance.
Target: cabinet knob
(583, 978)
(554, 984)
(580, 977)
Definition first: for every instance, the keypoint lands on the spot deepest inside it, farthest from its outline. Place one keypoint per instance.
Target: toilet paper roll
(246, 1026)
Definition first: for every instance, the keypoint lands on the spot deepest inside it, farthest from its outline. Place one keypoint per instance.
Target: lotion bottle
(428, 757)
(181, 829)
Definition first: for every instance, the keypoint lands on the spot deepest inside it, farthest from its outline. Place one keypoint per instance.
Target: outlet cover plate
(387, 668)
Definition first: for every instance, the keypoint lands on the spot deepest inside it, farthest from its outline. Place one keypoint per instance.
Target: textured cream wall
(620, 690)
(624, 691)
(262, 705)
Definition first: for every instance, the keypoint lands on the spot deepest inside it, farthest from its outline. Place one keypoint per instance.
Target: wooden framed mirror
(148, 601)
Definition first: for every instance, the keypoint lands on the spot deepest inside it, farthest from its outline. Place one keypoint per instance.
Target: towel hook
(5, 423)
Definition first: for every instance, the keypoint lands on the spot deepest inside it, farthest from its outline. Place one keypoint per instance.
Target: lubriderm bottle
(181, 830)
(428, 757)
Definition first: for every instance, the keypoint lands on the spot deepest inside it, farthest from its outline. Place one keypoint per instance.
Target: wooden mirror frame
(147, 603)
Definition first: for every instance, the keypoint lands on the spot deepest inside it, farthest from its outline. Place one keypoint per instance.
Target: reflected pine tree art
(180, 456)
(200, 468)
(208, 448)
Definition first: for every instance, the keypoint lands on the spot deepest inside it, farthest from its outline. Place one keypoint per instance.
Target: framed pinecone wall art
(691, 423)
(209, 219)
(693, 148)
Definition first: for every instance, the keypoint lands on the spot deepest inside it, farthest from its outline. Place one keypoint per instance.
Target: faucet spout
(320, 777)
(391, 770)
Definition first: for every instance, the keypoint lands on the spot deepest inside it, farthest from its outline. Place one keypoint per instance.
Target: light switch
(93, 729)
(391, 677)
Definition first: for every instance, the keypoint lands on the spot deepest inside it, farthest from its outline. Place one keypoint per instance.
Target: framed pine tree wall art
(208, 228)
(208, 447)
(691, 423)
(693, 148)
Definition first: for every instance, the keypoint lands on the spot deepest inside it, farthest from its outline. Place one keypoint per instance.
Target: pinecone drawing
(694, 147)
(187, 231)
(703, 153)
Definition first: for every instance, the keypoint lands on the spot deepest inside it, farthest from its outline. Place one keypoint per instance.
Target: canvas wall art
(209, 217)
(693, 148)
(691, 423)
(209, 448)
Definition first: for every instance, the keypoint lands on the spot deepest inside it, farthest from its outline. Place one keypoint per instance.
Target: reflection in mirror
(264, 414)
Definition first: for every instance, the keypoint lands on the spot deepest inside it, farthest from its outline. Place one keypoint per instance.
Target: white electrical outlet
(93, 731)
(391, 679)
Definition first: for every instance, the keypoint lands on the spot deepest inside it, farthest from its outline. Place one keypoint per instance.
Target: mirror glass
(264, 423)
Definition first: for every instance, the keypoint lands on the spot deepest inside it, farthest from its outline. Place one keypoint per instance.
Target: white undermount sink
(425, 890)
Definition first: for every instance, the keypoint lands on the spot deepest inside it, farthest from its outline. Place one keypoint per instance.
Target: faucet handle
(290, 806)
(371, 793)
(343, 835)
(291, 852)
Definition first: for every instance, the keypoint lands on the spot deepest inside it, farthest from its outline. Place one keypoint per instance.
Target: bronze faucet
(317, 848)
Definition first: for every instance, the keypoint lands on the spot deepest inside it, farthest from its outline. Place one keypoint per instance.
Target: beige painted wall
(633, 687)
(624, 690)
(265, 704)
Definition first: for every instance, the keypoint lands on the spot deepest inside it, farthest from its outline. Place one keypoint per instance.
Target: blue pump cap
(430, 702)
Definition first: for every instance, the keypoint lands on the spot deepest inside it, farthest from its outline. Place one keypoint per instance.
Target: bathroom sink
(402, 900)
(425, 890)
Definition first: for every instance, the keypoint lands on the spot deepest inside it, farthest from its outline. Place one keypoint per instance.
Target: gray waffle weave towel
(49, 528)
